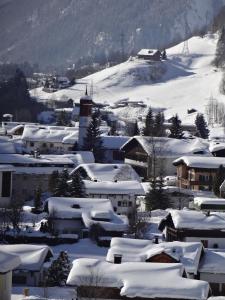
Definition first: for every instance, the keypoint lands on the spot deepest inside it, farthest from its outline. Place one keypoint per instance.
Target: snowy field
(188, 82)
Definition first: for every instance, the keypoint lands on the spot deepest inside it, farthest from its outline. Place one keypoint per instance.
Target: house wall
(28, 278)
(209, 242)
(5, 201)
(68, 225)
(5, 286)
(216, 281)
(46, 147)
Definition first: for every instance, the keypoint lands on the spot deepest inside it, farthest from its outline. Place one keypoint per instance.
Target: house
(197, 172)
(122, 194)
(209, 203)
(134, 250)
(112, 145)
(146, 154)
(30, 271)
(195, 226)
(137, 280)
(6, 185)
(33, 171)
(106, 172)
(149, 54)
(217, 148)
(49, 139)
(212, 270)
(8, 262)
(78, 215)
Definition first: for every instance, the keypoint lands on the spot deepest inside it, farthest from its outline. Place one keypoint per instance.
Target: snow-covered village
(112, 150)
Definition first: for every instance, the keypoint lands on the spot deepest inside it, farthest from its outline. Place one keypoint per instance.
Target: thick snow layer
(188, 82)
(207, 200)
(109, 172)
(213, 262)
(198, 220)
(141, 250)
(83, 208)
(155, 280)
(216, 146)
(7, 147)
(8, 261)
(201, 162)
(32, 256)
(132, 187)
(171, 147)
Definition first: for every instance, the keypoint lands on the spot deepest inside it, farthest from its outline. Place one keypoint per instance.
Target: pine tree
(158, 129)
(149, 123)
(62, 119)
(164, 55)
(176, 129)
(201, 126)
(37, 198)
(53, 181)
(219, 60)
(93, 141)
(136, 129)
(59, 270)
(77, 188)
(218, 180)
(62, 188)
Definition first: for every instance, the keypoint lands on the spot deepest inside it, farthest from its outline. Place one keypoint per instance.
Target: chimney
(117, 259)
(156, 240)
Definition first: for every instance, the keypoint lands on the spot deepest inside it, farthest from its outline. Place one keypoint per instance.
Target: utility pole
(122, 45)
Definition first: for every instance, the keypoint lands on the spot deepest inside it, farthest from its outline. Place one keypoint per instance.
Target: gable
(162, 258)
(133, 146)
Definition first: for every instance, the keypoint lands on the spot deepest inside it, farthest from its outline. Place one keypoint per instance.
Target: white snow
(208, 200)
(141, 250)
(213, 262)
(8, 261)
(187, 83)
(139, 279)
(201, 162)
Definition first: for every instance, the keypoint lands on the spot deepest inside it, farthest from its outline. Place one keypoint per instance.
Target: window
(44, 145)
(6, 184)
(51, 145)
(215, 246)
(31, 144)
(119, 203)
(130, 203)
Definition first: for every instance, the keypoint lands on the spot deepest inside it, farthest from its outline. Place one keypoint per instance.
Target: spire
(86, 92)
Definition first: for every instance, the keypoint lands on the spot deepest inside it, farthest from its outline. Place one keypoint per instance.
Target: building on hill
(78, 215)
(122, 194)
(197, 172)
(31, 269)
(141, 152)
(136, 280)
(195, 226)
(134, 250)
(106, 172)
(209, 204)
(149, 54)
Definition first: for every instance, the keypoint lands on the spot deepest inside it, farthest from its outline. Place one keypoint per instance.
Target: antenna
(185, 50)
(122, 46)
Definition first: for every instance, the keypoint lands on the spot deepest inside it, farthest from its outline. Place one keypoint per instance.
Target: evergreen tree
(77, 188)
(218, 180)
(149, 123)
(93, 141)
(156, 198)
(136, 129)
(62, 119)
(59, 270)
(164, 55)
(62, 188)
(158, 129)
(37, 198)
(201, 126)
(176, 129)
(219, 60)
(53, 180)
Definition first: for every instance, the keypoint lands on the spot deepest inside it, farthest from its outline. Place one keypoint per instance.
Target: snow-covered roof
(199, 201)
(90, 210)
(108, 172)
(7, 147)
(8, 261)
(216, 146)
(170, 147)
(32, 257)
(139, 279)
(114, 142)
(201, 162)
(132, 187)
(197, 220)
(213, 261)
(51, 134)
(9, 168)
(148, 52)
(141, 250)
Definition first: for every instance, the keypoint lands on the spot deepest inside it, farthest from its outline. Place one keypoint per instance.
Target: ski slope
(184, 81)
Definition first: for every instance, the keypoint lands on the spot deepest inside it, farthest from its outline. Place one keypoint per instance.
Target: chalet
(195, 226)
(122, 194)
(217, 148)
(147, 153)
(112, 145)
(134, 250)
(149, 54)
(197, 173)
(31, 269)
(33, 171)
(78, 215)
(8, 262)
(209, 204)
(106, 172)
(137, 280)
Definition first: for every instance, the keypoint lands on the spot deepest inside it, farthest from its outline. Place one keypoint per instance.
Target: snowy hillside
(62, 32)
(182, 82)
